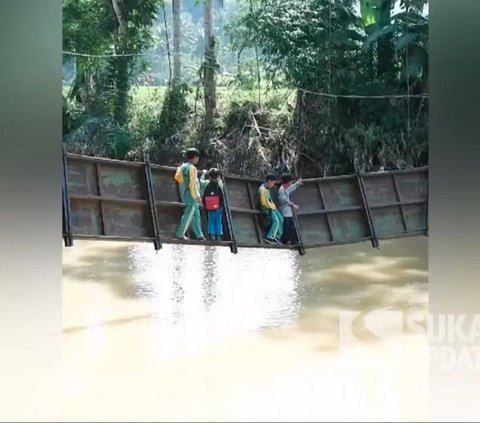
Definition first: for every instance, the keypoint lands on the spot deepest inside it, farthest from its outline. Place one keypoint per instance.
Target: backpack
(211, 198)
(212, 202)
(179, 177)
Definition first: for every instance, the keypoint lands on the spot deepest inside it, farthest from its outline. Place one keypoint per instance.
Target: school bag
(211, 199)
(179, 176)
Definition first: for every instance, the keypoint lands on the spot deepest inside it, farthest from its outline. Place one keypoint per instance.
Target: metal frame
(368, 214)
(356, 182)
(67, 226)
(228, 217)
(152, 203)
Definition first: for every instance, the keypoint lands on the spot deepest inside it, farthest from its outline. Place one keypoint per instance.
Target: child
(270, 209)
(213, 203)
(286, 206)
(187, 175)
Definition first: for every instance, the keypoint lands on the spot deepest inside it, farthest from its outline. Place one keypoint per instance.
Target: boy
(270, 209)
(213, 203)
(187, 175)
(289, 233)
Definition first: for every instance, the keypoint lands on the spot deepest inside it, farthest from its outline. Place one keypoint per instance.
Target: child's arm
(283, 196)
(193, 183)
(294, 186)
(264, 200)
(179, 175)
(203, 183)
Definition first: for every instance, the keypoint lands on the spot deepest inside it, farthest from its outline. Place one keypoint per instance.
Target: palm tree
(177, 60)
(209, 65)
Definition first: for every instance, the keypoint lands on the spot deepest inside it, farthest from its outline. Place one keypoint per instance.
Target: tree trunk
(385, 44)
(177, 60)
(209, 72)
(120, 64)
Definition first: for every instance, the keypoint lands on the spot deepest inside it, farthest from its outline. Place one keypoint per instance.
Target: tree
(94, 27)
(177, 60)
(209, 65)
(319, 47)
(117, 29)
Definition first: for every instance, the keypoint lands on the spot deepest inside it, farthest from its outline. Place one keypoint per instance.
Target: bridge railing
(139, 201)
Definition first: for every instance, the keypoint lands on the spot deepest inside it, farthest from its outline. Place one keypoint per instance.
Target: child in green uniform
(269, 208)
(187, 175)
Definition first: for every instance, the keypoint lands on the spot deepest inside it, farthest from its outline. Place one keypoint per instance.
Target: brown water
(195, 333)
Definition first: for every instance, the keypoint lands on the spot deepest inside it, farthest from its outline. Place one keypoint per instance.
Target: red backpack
(212, 202)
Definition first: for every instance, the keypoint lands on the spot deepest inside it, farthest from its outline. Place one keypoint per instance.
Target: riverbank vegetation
(315, 87)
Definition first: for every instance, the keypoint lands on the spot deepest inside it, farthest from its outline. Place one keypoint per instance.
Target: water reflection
(229, 294)
(202, 332)
(210, 277)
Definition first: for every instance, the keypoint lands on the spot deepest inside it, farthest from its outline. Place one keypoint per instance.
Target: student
(187, 175)
(270, 209)
(213, 202)
(286, 206)
(204, 181)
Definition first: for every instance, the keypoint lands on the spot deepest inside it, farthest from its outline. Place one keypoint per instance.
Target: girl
(213, 203)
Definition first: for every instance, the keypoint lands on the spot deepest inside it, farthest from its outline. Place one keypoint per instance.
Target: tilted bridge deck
(138, 201)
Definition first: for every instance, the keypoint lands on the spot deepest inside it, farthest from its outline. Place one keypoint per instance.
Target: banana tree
(408, 32)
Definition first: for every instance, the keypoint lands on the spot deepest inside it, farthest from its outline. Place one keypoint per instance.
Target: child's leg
(197, 222)
(211, 224)
(279, 227)
(187, 217)
(219, 224)
(285, 230)
(289, 233)
(273, 232)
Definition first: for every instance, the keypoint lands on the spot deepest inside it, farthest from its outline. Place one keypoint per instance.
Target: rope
(318, 93)
(74, 53)
(364, 96)
(330, 58)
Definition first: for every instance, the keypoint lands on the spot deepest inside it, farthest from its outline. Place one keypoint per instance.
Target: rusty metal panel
(388, 221)
(413, 186)
(82, 177)
(331, 210)
(86, 217)
(164, 186)
(308, 197)
(416, 215)
(244, 228)
(238, 193)
(169, 218)
(314, 229)
(122, 182)
(127, 220)
(246, 221)
(379, 189)
(398, 201)
(113, 199)
(349, 225)
(341, 193)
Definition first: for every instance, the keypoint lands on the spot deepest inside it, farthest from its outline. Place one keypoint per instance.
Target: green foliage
(101, 137)
(304, 46)
(322, 46)
(92, 26)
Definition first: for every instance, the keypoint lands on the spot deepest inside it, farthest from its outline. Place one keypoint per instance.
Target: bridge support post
(427, 220)
(301, 248)
(151, 202)
(228, 215)
(368, 214)
(66, 218)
